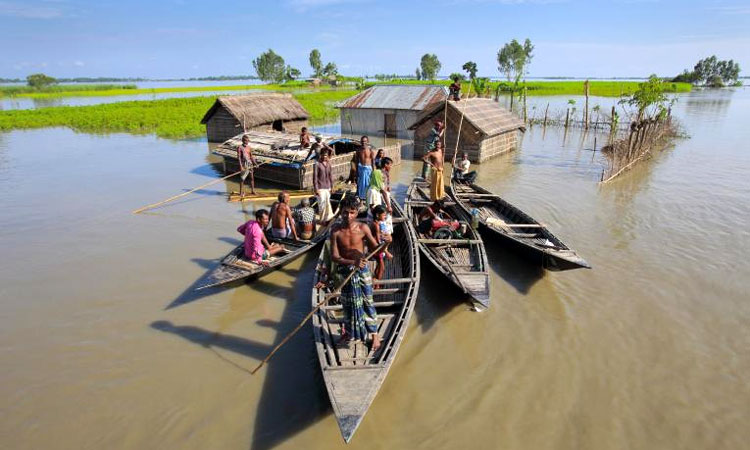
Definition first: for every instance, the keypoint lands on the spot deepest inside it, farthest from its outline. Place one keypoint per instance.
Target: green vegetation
(596, 88)
(39, 80)
(170, 118)
(65, 90)
(270, 66)
(513, 59)
(316, 63)
(470, 67)
(650, 99)
(430, 65)
(712, 72)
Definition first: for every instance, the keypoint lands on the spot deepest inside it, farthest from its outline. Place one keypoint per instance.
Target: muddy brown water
(103, 346)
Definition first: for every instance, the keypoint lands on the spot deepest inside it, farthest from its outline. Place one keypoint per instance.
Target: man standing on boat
(435, 161)
(378, 193)
(282, 220)
(323, 183)
(304, 138)
(317, 148)
(348, 252)
(257, 248)
(365, 160)
(438, 129)
(247, 163)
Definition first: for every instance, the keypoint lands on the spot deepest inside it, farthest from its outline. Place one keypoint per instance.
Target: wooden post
(586, 108)
(545, 115)
(512, 94)
(567, 117)
(612, 124)
(525, 117)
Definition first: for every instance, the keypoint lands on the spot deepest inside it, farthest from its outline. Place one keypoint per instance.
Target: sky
(182, 39)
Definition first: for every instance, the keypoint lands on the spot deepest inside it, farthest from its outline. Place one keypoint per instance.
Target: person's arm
(252, 158)
(240, 158)
(372, 244)
(291, 222)
(242, 228)
(376, 228)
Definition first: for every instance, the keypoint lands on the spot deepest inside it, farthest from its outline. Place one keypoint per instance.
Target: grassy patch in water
(169, 118)
(61, 90)
(113, 90)
(596, 87)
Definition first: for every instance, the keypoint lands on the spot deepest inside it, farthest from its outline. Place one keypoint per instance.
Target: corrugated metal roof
(397, 96)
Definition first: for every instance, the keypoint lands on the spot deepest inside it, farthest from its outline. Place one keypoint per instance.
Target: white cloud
(27, 11)
(78, 63)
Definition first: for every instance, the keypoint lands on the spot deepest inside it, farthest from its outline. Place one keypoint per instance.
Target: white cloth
(374, 198)
(463, 166)
(324, 204)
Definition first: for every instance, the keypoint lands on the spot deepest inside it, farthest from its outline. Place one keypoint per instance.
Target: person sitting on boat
(377, 193)
(461, 171)
(364, 167)
(304, 138)
(436, 133)
(282, 221)
(305, 217)
(247, 163)
(317, 148)
(435, 161)
(323, 183)
(454, 90)
(257, 248)
(348, 243)
(434, 217)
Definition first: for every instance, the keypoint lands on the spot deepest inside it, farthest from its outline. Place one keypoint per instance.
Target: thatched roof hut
(487, 130)
(231, 115)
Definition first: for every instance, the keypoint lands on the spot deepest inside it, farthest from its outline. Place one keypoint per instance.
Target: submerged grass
(113, 90)
(596, 87)
(169, 118)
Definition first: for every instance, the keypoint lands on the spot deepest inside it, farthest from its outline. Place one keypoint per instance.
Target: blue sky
(179, 38)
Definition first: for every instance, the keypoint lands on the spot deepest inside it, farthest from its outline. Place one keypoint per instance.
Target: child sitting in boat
(382, 229)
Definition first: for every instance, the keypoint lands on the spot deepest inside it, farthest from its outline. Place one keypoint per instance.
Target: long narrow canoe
(234, 267)
(463, 261)
(515, 228)
(352, 372)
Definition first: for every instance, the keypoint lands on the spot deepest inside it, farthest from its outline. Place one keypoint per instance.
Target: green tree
(513, 59)
(480, 85)
(270, 67)
(649, 99)
(316, 63)
(330, 70)
(40, 80)
(729, 71)
(470, 67)
(430, 66)
(418, 74)
(457, 76)
(290, 73)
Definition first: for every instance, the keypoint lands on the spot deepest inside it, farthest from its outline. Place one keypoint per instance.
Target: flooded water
(103, 346)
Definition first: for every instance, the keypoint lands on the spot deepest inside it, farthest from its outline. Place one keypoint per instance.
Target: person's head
(378, 212)
(324, 156)
(304, 130)
(364, 140)
(455, 79)
(245, 139)
(261, 216)
(386, 164)
(318, 138)
(349, 209)
(305, 202)
(465, 156)
(439, 145)
(379, 154)
(439, 124)
(283, 197)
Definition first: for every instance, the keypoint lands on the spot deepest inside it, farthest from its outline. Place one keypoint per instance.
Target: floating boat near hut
(515, 228)
(464, 260)
(284, 160)
(352, 373)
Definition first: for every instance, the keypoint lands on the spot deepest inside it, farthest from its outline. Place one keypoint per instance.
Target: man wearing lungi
(348, 253)
(435, 161)
(365, 158)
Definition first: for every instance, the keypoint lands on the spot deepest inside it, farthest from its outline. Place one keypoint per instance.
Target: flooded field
(102, 344)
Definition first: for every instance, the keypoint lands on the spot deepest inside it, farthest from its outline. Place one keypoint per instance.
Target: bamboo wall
(471, 141)
(222, 126)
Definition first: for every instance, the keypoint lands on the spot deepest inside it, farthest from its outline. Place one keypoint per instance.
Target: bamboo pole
(546, 110)
(154, 205)
(458, 138)
(317, 307)
(586, 108)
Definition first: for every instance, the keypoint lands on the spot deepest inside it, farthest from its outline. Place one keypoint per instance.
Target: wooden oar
(154, 205)
(317, 307)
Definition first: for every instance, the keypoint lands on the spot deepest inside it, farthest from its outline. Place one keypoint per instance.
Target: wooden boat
(234, 267)
(463, 261)
(515, 227)
(351, 372)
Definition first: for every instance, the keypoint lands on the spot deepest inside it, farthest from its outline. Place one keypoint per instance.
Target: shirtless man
(365, 159)
(348, 251)
(435, 161)
(247, 163)
(304, 138)
(317, 148)
(282, 221)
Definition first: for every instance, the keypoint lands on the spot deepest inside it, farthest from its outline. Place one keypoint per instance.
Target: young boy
(382, 228)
